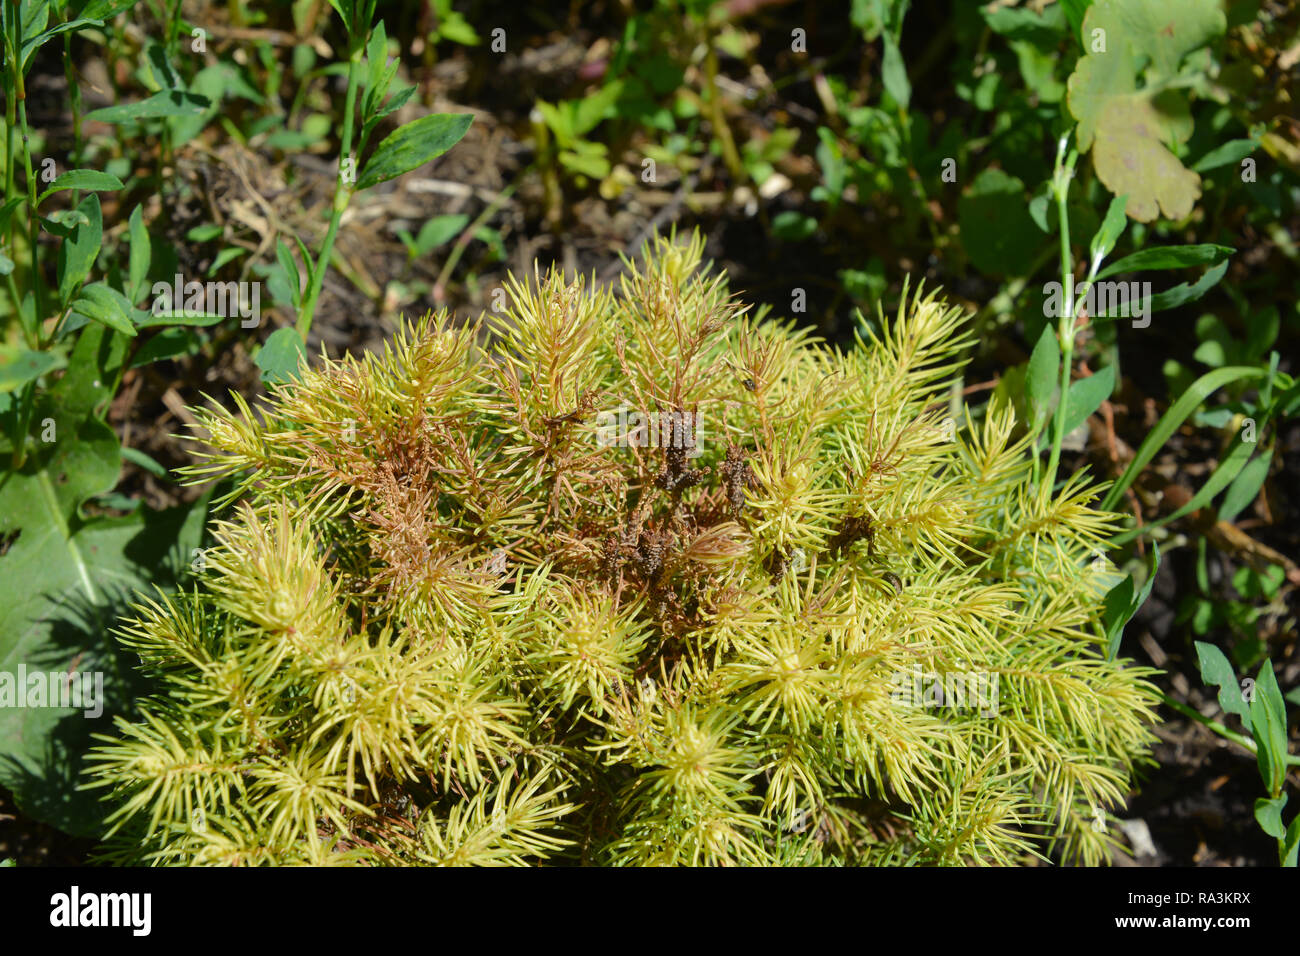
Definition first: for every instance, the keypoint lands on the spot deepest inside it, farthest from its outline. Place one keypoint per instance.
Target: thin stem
(74, 99)
(1061, 186)
(462, 243)
(33, 222)
(11, 152)
(17, 115)
(11, 126)
(716, 114)
(1241, 740)
(342, 193)
(24, 423)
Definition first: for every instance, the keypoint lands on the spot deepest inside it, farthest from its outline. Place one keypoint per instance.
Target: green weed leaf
(1268, 812)
(1229, 154)
(166, 103)
(282, 356)
(1178, 413)
(19, 366)
(1216, 671)
(998, 231)
(1122, 602)
(1268, 725)
(1112, 227)
(413, 145)
(81, 179)
(78, 252)
(1041, 377)
(138, 264)
(439, 230)
(1245, 486)
(1169, 257)
(285, 258)
(1085, 397)
(1189, 291)
(894, 73)
(106, 305)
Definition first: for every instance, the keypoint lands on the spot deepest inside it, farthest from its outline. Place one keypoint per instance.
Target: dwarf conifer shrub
(472, 608)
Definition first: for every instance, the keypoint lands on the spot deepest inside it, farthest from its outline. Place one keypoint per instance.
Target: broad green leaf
(1112, 227)
(1188, 291)
(1042, 376)
(1269, 815)
(224, 256)
(204, 233)
(413, 145)
(893, 73)
(18, 366)
(391, 105)
(346, 9)
(1022, 23)
(66, 578)
(1291, 843)
(7, 211)
(81, 179)
(140, 459)
(53, 625)
(314, 129)
(106, 9)
(1216, 671)
(1151, 578)
(1116, 609)
(1168, 257)
(1143, 39)
(997, 229)
(212, 85)
(1085, 397)
(376, 60)
(62, 223)
(149, 320)
(1223, 475)
(1121, 603)
(790, 225)
(1263, 328)
(1092, 87)
(560, 122)
(67, 587)
(35, 16)
(458, 30)
(589, 111)
(1268, 726)
(107, 306)
(31, 45)
(1074, 11)
(166, 103)
(168, 343)
(285, 258)
(306, 260)
(1245, 486)
(439, 230)
(138, 264)
(282, 356)
(78, 251)
(1203, 387)
(586, 162)
(1229, 154)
